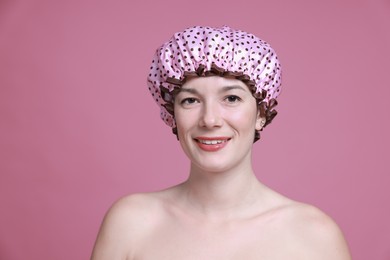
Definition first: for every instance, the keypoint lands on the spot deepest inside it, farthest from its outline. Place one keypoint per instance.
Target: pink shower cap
(207, 51)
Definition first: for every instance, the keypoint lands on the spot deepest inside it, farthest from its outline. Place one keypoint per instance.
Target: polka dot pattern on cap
(204, 51)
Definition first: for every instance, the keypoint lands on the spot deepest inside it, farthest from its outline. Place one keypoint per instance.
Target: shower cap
(206, 51)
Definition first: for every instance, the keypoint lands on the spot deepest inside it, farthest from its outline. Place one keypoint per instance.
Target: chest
(252, 240)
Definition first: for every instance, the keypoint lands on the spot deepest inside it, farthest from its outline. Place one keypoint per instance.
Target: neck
(222, 194)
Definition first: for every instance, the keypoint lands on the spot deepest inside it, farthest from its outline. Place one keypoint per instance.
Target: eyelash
(229, 98)
(187, 101)
(236, 98)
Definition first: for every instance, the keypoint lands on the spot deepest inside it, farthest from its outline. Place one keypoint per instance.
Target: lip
(211, 144)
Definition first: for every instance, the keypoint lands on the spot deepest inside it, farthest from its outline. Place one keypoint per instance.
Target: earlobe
(260, 122)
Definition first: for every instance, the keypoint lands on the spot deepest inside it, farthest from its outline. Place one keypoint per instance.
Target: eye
(188, 101)
(233, 99)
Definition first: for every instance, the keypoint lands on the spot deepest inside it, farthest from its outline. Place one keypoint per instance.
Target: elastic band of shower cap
(206, 51)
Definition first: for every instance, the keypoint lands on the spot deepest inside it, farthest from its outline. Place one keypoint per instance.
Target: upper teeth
(211, 141)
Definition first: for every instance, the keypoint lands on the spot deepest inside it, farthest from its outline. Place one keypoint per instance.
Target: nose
(210, 116)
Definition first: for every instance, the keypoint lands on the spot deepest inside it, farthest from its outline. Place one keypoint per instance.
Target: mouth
(211, 144)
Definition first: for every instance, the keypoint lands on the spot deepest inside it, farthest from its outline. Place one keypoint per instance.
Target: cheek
(184, 119)
(245, 118)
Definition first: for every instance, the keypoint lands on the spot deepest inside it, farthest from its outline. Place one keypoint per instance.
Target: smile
(211, 144)
(212, 141)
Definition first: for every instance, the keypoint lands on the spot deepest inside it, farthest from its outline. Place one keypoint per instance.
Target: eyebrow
(189, 90)
(227, 88)
(224, 89)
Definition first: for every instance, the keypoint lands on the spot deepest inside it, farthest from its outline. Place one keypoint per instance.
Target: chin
(216, 165)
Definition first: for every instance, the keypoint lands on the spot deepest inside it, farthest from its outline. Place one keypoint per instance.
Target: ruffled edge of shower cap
(207, 51)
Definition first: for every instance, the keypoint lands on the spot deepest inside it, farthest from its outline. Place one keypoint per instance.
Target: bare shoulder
(132, 207)
(124, 224)
(315, 234)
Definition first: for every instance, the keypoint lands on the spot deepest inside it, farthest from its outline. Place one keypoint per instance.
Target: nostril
(211, 119)
(210, 122)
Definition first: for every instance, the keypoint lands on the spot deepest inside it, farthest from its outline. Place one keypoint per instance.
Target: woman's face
(216, 119)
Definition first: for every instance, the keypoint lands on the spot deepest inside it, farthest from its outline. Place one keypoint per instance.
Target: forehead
(214, 83)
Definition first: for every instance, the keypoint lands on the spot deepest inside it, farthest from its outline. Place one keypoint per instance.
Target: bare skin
(222, 211)
(165, 225)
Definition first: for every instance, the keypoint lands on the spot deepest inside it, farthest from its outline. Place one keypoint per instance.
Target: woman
(217, 88)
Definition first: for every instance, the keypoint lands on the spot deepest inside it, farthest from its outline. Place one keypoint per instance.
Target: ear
(260, 122)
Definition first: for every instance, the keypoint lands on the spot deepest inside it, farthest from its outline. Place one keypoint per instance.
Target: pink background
(78, 128)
